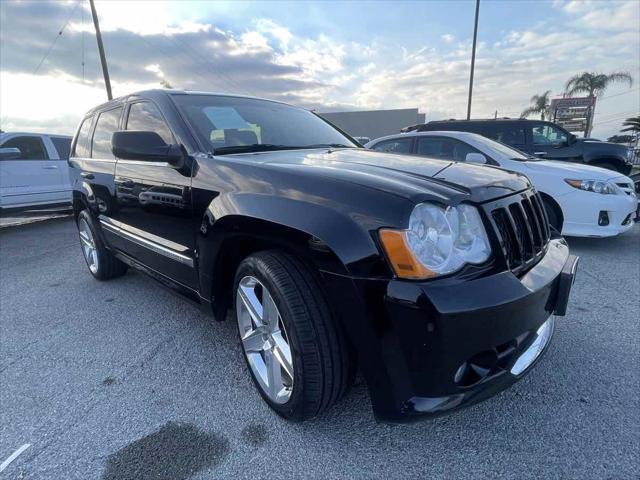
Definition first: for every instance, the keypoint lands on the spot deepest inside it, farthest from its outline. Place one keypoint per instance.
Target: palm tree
(594, 85)
(539, 104)
(633, 125)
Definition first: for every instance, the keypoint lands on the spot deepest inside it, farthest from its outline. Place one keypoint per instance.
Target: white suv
(34, 170)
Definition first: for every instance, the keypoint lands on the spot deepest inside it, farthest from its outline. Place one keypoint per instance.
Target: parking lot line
(13, 456)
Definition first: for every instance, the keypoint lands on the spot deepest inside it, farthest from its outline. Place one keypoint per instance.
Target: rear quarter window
(63, 146)
(397, 145)
(81, 148)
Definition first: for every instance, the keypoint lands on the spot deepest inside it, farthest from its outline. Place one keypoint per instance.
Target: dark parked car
(543, 139)
(437, 279)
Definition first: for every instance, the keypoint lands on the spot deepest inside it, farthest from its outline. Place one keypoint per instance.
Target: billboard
(573, 114)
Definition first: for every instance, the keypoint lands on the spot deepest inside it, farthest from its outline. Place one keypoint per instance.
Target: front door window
(548, 135)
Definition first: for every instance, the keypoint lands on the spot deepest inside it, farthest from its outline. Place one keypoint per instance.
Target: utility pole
(103, 59)
(473, 58)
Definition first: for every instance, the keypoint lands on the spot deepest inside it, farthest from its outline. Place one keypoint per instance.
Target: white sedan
(581, 200)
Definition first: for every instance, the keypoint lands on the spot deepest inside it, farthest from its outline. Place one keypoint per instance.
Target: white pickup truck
(33, 170)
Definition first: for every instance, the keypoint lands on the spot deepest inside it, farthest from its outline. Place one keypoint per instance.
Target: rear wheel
(102, 264)
(296, 352)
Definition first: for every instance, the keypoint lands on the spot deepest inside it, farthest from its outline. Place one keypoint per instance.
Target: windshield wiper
(269, 147)
(255, 147)
(329, 145)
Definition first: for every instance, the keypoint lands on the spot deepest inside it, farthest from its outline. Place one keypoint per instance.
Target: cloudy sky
(323, 55)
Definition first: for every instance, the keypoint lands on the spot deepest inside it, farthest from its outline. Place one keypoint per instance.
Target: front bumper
(583, 210)
(432, 347)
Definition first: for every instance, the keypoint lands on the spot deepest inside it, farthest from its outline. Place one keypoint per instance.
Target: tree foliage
(632, 124)
(540, 104)
(594, 84)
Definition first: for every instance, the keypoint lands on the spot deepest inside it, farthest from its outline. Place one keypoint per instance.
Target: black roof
(419, 126)
(160, 92)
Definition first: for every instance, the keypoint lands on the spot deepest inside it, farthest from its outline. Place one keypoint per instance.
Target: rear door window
(443, 148)
(106, 125)
(397, 145)
(63, 145)
(31, 147)
(82, 148)
(509, 134)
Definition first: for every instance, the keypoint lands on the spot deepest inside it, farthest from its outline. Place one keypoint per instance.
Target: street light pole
(473, 58)
(103, 59)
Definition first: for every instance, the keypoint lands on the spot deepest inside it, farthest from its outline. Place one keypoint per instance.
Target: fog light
(535, 349)
(603, 218)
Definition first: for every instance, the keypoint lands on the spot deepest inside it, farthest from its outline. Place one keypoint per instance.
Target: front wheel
(297, 354)
(102, 264)
(552, 215)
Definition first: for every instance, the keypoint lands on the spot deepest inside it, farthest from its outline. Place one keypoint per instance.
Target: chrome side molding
(117, 227)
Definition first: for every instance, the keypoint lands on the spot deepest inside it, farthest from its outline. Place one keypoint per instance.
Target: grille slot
(523, 230)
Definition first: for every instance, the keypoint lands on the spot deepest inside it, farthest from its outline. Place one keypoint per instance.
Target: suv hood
(405, 175)
(592, 145)
(577, 171)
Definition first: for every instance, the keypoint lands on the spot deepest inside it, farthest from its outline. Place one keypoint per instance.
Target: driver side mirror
(146, 147)
(475, 158)
(571, 139)
(10, 153)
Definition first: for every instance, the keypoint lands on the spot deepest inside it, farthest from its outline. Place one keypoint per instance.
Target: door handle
(539, 153)
(50, 167)
(87, 175)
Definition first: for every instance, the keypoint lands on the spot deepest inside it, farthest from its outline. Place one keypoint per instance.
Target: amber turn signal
(402, 259)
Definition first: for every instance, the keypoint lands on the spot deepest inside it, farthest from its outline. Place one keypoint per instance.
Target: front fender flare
(348, 240)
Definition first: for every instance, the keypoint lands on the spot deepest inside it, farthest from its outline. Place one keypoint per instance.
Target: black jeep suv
(542, 139)
(439, 280)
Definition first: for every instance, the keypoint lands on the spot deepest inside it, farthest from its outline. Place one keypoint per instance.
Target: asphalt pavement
(124, 380)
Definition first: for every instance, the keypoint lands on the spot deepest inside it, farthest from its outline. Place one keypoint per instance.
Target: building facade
(374, 123)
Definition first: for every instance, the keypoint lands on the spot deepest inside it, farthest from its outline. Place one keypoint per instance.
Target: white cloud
(448, 38)
(318, 71)
(141, 17)
(55, 103)
(155, 68)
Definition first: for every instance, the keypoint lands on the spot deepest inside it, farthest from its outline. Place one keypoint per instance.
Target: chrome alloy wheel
(88, 245)
(264, 339)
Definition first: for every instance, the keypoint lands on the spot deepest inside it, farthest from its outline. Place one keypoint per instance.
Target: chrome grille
(522, 228)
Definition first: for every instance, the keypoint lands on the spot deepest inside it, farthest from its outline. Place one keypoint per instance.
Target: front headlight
(438, 241)
(596, 186)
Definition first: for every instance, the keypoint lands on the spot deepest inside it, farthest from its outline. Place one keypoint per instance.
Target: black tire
(107, 265)
(323, 363)
(552, 215)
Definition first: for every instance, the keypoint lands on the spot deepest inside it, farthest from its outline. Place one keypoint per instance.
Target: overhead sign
(573, 114)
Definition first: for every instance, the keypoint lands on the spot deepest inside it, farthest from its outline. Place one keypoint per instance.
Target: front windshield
(501, 150)
(235, 125)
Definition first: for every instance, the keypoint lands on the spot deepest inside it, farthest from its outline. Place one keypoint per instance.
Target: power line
(169, 54)
(620, 120)
(56, 38)
(622, 93)
(196, 56)
(617, 114)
